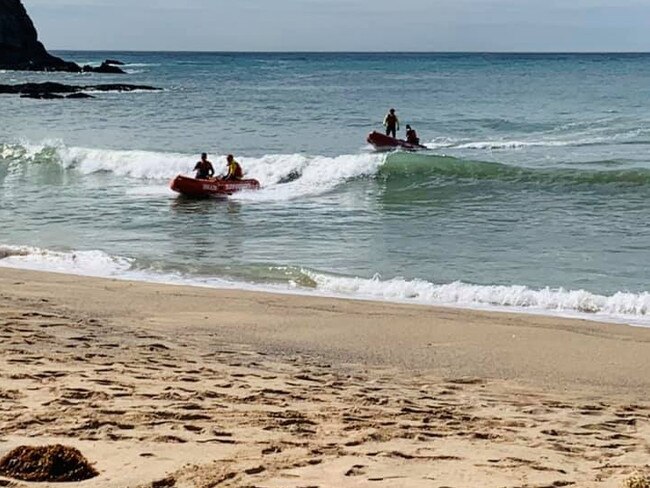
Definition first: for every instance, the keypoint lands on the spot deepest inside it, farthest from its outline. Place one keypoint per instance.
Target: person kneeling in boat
(234, 169)
(204, 169)
(412, 136)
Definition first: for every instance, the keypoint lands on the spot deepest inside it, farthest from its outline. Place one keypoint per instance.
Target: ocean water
(534, 194)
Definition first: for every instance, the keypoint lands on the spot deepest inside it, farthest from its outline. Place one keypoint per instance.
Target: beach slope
(178, 386)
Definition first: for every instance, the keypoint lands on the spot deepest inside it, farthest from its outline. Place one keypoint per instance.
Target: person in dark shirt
(391, 122)
(204, 168)
(412, 136)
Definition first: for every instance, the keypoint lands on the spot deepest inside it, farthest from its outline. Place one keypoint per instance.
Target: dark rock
(104, 68)
(19, 45)
(50, 87)
(79, 95)
(47, 87)
(121, 87)
(42, 96)
(20, 48)
(109, 68)
(50, 90)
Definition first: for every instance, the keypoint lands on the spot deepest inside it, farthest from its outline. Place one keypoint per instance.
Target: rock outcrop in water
(20, 48)
(50, 91)
(105, 67)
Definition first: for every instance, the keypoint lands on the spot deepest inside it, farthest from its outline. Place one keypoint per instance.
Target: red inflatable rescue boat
(382, 142)
(213, 187)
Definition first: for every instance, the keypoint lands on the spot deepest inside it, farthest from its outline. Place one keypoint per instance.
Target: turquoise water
(533, 195)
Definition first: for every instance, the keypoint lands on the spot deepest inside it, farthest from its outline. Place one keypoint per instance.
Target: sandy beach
(324, 244)
(167, 386)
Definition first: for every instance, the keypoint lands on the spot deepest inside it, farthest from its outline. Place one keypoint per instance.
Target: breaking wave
(622, 306)
(290, 176)
(283, 176)
(86, 263)
(517, 297)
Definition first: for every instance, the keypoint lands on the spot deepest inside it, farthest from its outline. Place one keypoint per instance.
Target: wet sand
(179, 386)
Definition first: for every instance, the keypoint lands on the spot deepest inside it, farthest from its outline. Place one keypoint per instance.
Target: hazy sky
(347, 25)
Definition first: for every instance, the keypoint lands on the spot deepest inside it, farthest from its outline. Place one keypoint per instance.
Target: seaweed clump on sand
(47, 463)
(637, 482)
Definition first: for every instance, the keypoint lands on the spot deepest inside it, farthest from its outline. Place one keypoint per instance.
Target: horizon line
(182, 51)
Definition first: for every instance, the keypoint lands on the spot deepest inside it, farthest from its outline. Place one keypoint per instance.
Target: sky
(343, 25)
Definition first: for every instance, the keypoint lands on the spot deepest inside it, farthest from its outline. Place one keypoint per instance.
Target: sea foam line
(622, 307)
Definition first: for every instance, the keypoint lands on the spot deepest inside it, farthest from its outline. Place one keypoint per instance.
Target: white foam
(98, 264)
(311, 175)
(134, 164)
(441, 143)
(628, 307)
(509, 144)
(150, 191)
(622, 307)
(512, 144)
(87, 263)
(506, 144)
(282, 176)
(140, 65)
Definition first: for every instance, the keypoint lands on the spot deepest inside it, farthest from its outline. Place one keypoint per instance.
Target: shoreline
(500, 332)
(216, 283)
(187, 387)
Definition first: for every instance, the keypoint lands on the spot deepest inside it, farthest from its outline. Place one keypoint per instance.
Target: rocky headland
(20, 48)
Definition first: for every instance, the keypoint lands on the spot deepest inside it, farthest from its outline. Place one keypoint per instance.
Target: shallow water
(534, 193)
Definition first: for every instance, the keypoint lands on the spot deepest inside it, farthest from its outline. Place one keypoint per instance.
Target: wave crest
(424, 166)
(283, 176)
(518, 297)
(622, 306)
(290, 176)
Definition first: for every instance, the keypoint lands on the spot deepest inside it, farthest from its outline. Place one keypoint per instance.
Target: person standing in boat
(234, 169)
(391, 122)
(204, 168)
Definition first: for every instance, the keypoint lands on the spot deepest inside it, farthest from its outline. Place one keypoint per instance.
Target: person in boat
(235, 172)
(412, 136)
(391, 122)
(204, 168)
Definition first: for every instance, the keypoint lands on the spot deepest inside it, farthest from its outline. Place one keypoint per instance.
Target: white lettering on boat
(227, 187)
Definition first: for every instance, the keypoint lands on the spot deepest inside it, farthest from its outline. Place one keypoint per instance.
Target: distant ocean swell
(290, 176)
(621, 307)
(604, 132)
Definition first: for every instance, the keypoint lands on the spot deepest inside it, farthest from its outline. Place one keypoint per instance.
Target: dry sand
(164, 386)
